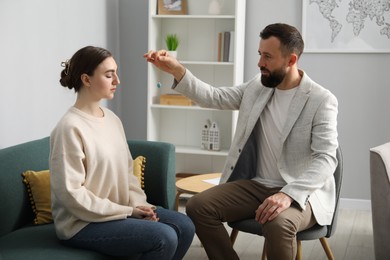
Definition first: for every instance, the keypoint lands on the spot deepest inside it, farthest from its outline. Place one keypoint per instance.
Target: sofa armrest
(160, 171)
(380, 199)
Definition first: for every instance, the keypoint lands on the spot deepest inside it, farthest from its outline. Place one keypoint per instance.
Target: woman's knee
(167, 238)
(183, 225)
(187, 227)
(180, 222)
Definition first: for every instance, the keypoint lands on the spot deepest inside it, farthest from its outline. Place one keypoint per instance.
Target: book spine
(226, 43)
(231, 47)
(219, 54)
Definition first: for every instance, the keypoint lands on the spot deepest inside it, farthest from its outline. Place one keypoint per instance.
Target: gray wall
(133, 44)
(37, 35)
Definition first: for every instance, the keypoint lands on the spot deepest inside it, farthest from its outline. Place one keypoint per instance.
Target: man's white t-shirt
(268, 136)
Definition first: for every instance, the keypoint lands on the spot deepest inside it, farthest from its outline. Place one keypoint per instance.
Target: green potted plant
(172, 42)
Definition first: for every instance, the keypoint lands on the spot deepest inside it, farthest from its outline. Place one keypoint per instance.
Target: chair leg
(264, 254)
(233, 236)
(178, 193)
(299, 250)
(325, 245)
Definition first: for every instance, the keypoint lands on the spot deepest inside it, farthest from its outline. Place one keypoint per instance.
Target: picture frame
(172, 7)
(345, 28)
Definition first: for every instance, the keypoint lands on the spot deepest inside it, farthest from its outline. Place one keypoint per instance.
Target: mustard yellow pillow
(139, 169)
(38, 187)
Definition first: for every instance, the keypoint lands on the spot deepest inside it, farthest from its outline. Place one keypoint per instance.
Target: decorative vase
(215, 7)
(172, 54)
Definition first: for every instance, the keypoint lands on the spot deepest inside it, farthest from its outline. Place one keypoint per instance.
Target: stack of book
(225, 46)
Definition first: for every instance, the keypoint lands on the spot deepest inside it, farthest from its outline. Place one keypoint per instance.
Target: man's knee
(279, 227)
(194, 206)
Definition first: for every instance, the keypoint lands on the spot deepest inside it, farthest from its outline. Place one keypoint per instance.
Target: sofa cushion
(40, 242)
(38, 188)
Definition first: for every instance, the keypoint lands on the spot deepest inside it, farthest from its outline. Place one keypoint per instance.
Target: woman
(97, 202)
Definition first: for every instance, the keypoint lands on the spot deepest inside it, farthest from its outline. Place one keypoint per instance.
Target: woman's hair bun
(64, 80)
(65, 77)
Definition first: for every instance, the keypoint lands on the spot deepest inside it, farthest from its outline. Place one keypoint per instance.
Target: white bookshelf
(198, 34)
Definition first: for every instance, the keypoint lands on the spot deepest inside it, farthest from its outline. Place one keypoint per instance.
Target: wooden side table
(194, 184)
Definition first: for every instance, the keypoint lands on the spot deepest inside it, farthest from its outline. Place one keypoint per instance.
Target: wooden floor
(353, 240)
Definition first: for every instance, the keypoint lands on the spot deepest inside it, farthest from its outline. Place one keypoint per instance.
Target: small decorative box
(175, 100)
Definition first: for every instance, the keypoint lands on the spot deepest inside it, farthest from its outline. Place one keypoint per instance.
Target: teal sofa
(20, 239)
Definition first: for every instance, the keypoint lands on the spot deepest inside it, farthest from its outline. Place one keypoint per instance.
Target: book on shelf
(231, 47)
(220, 44)
(225, 46)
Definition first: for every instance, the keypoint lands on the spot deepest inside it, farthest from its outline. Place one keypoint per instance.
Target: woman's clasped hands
(144, 212)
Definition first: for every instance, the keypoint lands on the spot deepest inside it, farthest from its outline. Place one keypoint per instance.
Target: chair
(380, 199)
(315, 232)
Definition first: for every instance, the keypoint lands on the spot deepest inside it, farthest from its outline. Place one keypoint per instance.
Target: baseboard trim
(355, 204)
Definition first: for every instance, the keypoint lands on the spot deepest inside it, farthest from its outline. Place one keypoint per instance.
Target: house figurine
(205, 136)
(214, 137)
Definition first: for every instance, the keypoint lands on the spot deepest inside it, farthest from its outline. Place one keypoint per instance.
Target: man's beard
(274, 78)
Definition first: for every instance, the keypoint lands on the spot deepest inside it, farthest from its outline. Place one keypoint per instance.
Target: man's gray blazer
(308, 158)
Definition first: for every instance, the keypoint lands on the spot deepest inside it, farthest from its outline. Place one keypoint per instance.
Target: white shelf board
(211, 63)
(157, 106)
(196, 150)
(162, 16)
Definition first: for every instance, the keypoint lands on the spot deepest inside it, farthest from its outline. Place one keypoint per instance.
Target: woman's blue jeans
(169, 238)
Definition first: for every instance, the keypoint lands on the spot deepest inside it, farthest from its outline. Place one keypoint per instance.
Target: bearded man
(280, 165)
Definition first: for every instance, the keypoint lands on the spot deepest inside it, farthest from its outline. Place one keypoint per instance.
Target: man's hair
(290, 38)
